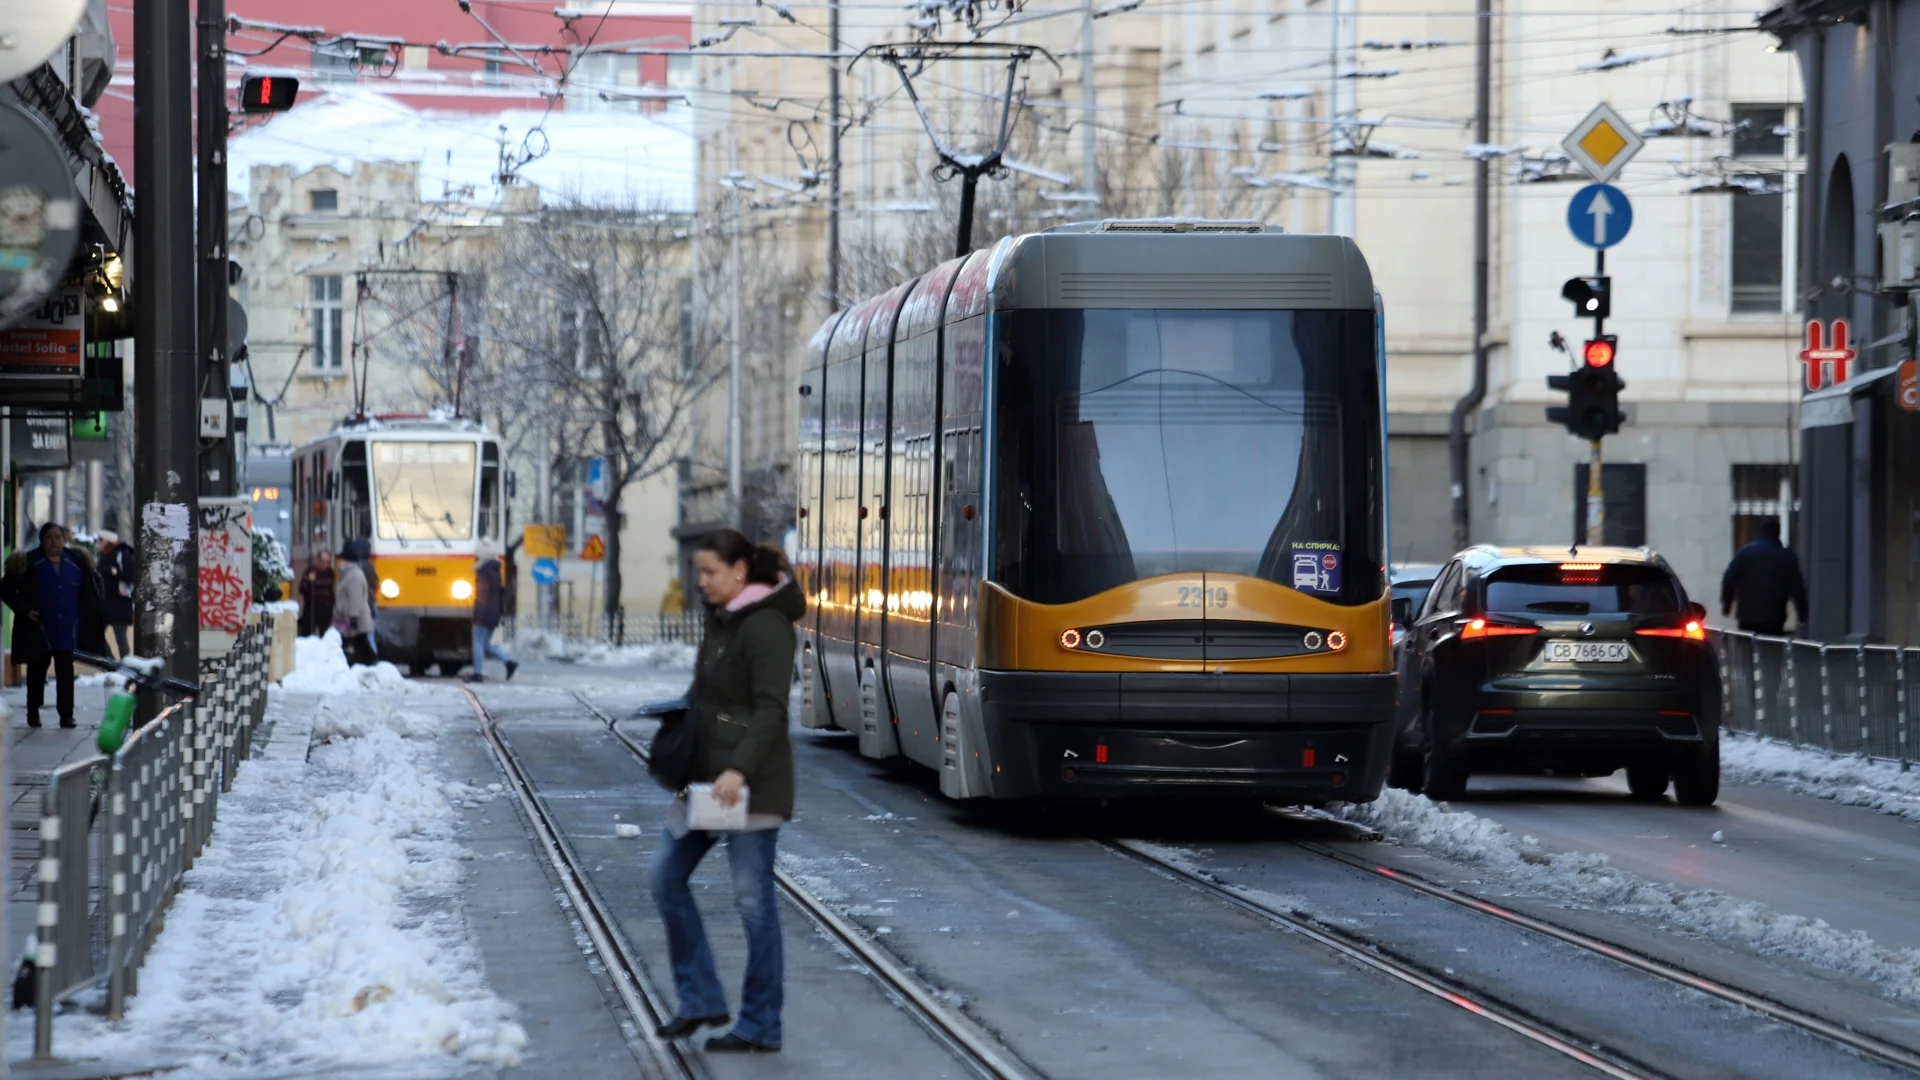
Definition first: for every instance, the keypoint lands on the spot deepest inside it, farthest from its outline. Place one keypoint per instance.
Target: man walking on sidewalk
(55, 596)
(316, 596)
(1762, 578)
(119, 568)
(489, 595)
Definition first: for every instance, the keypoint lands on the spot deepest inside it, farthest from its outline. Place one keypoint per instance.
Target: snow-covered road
(1853, 866)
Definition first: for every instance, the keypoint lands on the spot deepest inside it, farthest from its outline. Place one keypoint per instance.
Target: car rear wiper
(1564, 607)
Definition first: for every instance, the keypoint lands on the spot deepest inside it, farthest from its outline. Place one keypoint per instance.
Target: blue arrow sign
(1599, 215)
(545, 571)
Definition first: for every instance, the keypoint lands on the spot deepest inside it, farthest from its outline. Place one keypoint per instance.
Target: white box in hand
(705, 813)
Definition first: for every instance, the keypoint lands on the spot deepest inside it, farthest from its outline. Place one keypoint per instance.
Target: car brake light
(1481, 628)
(1692, 631)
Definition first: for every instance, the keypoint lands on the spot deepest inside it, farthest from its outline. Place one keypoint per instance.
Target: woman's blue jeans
(694, 981)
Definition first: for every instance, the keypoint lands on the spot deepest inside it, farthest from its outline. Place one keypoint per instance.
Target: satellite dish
(33, 30)
(39, 212)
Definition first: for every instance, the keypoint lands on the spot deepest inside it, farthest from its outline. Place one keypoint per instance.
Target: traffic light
(268, 93)
(1593, 393)
(1592, 296)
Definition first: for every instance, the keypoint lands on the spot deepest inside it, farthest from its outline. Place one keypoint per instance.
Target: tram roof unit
(1173, 263)
(409, 425)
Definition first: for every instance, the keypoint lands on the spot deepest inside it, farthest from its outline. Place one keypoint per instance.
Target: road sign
(544, 541)
(545, 571)
(1828, 360)
(595, 549)
(1603, 143)
(1909, 385)
(1599, 215)
(597, 476)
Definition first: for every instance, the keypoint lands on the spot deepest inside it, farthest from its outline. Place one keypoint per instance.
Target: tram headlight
(390, 589)
(463, 589)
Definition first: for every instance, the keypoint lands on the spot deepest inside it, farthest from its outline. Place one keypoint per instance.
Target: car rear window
(1608, 590)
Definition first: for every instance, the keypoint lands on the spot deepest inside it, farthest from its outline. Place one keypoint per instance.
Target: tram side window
(490, 491)
(356, 511)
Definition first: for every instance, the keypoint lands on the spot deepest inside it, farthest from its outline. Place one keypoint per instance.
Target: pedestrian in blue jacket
(489, 602)
(56, 599)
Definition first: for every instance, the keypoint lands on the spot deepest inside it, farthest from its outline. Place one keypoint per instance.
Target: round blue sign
(1599, 215)
(545, 571)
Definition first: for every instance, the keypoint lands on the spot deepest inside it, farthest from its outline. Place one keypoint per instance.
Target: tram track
(970, 1044)
(1372, 956)
(1859, 1042)
(644, 1002)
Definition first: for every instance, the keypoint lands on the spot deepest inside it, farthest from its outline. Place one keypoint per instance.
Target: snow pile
(1590, 880)
(539, 644)
(1849, 781)
(320, 667)
(320, 932)
(656, 657)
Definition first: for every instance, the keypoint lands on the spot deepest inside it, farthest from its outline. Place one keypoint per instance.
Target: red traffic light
(1599, 351)
(268, 93)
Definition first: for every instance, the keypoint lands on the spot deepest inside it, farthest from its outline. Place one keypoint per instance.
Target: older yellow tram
(421, 494)
(1102, 511)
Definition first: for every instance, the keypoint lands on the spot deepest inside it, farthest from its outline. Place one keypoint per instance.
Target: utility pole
(1596, 489)
(1482, 200)
(167, 380)
(1089, 97)
(733, 341)
(1340, 201)
(833, 160)
(219, 472)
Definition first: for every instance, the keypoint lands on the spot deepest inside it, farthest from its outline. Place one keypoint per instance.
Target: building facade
(1859, 240)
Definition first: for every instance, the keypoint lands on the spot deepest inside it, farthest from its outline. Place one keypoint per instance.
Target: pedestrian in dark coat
(489, 602)
(119, 568)
(56, 599)
(739, 696)
(355, 606)
(316, 595)
(1761, 580)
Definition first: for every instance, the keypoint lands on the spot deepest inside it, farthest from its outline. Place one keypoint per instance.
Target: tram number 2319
(1202, 597)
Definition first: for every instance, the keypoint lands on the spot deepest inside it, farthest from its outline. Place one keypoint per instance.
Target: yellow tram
(1102, 511)
(422, 493)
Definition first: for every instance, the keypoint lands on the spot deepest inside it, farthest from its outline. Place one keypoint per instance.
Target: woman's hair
(766, 564)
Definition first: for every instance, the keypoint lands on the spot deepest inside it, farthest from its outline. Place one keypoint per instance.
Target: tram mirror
(1403, 609)
(513, 484)
(333, 485)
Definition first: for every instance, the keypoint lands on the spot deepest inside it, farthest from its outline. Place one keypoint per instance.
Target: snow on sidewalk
(1849, 781)
(321, 930)
(1589, 880)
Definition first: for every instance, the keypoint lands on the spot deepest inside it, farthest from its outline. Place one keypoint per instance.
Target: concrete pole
(59, 501)
(219, 467)
(96, 496)
(166, 382)
(1089, 97)
(734, 485)
(833, 161)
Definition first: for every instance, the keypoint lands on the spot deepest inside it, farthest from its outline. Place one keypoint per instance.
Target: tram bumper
(1291, 739)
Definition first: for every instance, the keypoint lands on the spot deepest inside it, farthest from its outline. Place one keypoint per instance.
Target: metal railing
(118, 833)
(618, 629)
(1844, 699)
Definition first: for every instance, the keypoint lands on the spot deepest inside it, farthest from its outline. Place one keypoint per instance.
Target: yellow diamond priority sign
(1602, 144)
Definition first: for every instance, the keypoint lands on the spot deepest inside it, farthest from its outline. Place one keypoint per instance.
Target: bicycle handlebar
(165, 684)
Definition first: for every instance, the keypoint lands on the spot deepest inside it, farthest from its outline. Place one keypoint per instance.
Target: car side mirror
(1697, 612)
(1403, 610)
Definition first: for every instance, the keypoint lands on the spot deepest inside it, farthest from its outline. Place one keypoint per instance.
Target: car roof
(1415, 571)
(1490, 556)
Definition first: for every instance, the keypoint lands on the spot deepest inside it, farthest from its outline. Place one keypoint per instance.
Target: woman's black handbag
(670, 756)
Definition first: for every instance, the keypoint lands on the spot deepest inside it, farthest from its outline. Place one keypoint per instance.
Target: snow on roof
(621, 157)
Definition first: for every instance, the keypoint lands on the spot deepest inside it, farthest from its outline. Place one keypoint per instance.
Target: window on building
(326, 317)
(1760, 493)
(495, 73)
(1759, 238)
(679, 71)
(323, 200)
(1624, 494)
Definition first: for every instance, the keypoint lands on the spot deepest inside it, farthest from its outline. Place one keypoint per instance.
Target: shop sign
(1828, 359)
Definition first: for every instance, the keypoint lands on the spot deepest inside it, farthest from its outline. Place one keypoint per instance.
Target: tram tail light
(1069, 639)
(1481, 628)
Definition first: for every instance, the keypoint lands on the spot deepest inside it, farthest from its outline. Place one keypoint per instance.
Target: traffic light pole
(219, 464)
(1596, 488)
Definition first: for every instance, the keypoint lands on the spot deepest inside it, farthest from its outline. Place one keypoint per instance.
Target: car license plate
(1587, 652)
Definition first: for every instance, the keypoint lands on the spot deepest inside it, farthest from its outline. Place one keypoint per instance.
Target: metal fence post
(1826, 702)
(46, 952)
(1900, 695)
(1860, 672)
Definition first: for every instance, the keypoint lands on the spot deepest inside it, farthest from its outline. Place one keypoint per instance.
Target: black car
(1579, 661)
(1410, 582)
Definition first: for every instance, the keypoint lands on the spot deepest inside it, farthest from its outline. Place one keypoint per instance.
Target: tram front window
(1136, 443)
(423, 490)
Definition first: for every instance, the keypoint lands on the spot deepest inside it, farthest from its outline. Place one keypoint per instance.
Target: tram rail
(971, 1045)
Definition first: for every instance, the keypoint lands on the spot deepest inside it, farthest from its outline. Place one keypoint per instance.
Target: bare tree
(592, 329)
